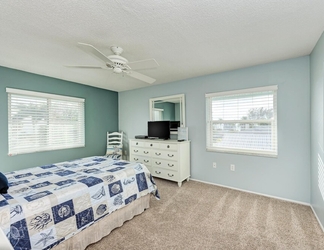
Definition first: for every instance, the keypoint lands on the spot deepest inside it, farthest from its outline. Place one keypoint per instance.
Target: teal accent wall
(177, 112)
(317, 116)
(168, 110)
(101, 115)
(288, 175)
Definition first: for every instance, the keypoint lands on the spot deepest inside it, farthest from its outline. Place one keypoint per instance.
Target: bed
(72, 204)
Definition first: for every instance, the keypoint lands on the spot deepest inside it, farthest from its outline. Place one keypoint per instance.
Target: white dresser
(167, 159)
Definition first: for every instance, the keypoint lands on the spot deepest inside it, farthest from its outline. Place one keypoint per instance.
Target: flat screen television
(158, 129)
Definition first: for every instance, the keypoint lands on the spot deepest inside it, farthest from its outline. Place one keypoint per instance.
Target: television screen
(158, 129)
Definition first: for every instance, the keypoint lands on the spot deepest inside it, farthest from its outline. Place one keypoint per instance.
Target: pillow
(3, 184)
(113, 152)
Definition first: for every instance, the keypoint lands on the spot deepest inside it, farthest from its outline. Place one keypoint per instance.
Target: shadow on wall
(125, 146)
(320, 175)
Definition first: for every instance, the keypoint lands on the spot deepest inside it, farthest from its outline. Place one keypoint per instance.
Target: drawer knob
(158, 163)
(146, 152)
(146, 161)
(168, 146)
(136, 159)
(136, 143)
(170, 155)
(170, 165)
(157, 172)
(151, 145)
(158, 153)
(135, 150)
(170, 175)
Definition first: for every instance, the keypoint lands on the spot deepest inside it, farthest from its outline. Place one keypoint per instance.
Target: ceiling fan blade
(144, 64)
(88, 48)
(84, 66)
(141, 77)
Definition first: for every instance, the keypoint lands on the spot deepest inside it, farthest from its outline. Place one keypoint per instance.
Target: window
(40, 122)
(158, 114)
(243, 121)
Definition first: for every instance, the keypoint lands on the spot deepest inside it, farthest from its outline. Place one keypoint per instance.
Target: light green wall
(317, 126)
(101, 115)
(288, 175)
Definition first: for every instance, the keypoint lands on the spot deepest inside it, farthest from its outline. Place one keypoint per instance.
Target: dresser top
(160, 141)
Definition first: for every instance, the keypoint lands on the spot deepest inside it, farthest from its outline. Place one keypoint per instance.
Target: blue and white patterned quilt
(49, 204)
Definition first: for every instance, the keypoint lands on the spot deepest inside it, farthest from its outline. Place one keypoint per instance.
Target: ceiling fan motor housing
(118, 59)
(119, 63)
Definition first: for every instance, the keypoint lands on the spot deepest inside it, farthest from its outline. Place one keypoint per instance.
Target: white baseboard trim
(247, 191)
(319, 222)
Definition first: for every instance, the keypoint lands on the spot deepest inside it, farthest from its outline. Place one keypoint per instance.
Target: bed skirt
(104, 226)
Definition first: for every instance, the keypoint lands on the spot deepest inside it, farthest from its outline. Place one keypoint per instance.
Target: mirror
(169, 108)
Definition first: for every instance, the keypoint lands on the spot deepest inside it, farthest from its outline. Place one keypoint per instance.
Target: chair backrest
(115, 145)
(115, 139)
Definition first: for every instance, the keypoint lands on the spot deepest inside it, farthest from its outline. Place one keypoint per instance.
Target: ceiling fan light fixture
(117, 70)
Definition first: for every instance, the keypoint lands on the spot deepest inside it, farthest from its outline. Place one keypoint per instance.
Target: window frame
(273, 121)
(49, 122)
(158, 114)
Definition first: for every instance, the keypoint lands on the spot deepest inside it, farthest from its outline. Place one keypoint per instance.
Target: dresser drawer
(152, 144)
(161, 163)
(168, 155)
(166, 174)
(141, 151)
(138, 143)
(145, 160)
(170, 146)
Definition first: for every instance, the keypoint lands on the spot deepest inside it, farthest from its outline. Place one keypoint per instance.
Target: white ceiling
(188, 38)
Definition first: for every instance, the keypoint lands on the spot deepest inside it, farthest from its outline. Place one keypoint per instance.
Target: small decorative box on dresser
(168, 159)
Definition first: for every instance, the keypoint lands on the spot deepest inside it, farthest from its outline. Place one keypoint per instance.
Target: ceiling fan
(117, 63)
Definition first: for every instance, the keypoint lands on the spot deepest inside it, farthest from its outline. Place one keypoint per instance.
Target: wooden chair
(115, 145)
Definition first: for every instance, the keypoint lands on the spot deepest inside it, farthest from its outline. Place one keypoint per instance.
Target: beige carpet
(202, 216)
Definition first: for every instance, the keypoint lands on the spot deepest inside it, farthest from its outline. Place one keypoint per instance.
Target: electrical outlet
(232, 167)
(214, 165)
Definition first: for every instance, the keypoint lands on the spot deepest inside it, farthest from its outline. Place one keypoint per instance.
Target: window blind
(242, 121)
(41, 122)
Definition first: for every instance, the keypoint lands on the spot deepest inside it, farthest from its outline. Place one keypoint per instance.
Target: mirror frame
(165, 98)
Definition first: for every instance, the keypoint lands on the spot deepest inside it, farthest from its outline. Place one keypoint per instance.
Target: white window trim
(44, 95)
(242, 91)
(79, 143)
(209, 124)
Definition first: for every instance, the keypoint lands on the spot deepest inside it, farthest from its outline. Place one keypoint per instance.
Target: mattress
(47, 205)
